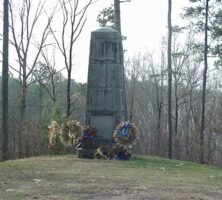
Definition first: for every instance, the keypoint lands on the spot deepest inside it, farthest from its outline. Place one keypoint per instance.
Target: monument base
(86, 153)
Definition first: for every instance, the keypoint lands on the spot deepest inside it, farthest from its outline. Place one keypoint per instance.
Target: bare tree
(74, 19)
(23, 31)
(148, 101)
(180, 54)
(141, 101)
(158, 76)
(47, 75)
(132, 67)
(5, 128)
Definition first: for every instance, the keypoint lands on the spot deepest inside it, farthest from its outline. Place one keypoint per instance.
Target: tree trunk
(187, 133)
(68, 94)
(5, 131)
(204, 84)
(159, 99)
(22, 114)
(176, 135)
(159, 128)
(53, 91)
(40, 100)
(170, 142)
(133, 82)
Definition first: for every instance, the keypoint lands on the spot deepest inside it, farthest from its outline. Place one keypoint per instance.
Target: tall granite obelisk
(104, 105)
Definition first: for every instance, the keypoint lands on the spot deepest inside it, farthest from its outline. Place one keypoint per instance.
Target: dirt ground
(58, 178)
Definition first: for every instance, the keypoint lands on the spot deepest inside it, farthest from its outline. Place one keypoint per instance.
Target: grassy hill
(67, 177)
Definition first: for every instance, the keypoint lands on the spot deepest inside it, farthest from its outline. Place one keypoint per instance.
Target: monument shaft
(104, 105)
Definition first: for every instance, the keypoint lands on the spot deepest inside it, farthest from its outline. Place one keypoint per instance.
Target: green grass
(176, 172)
(142, 177)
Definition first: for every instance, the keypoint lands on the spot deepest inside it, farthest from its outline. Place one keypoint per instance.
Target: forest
(175, 100)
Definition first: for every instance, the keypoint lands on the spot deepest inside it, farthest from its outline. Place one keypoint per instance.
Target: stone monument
(104, 104)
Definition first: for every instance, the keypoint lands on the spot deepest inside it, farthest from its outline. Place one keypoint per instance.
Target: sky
(144, 23)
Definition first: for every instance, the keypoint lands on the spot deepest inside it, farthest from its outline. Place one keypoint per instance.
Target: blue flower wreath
(125, 134)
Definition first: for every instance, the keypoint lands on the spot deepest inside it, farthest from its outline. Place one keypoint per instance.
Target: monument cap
(105, 33)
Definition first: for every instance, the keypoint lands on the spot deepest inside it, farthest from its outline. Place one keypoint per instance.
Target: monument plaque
(104, 105)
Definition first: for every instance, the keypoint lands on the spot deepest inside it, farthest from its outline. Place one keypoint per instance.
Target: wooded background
(186, 76)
